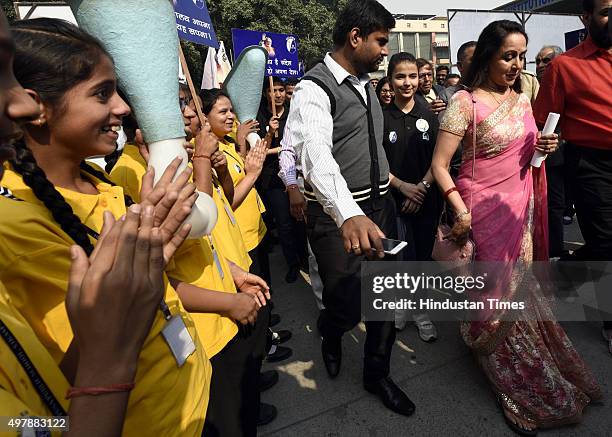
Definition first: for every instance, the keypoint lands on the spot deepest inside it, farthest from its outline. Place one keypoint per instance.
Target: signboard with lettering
(282, 50)
(193, 22)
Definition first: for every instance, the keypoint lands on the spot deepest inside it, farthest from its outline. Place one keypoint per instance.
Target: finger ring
(356, 247)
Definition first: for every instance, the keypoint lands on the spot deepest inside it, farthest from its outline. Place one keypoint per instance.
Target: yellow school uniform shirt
(18, 397)
(193, 263)
(249, 212)
(129, 170)
(128, 173)
(34, 267)
(227, 230)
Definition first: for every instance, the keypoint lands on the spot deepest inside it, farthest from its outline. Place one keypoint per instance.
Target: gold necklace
(495, 98)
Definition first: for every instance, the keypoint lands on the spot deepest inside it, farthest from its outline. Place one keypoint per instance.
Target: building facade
(424, 37)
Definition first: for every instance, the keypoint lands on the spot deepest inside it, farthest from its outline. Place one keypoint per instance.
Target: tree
(9, 10)
(311, 20)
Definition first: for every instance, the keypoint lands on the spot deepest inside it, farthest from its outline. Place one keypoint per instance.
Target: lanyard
(216, 257)
(41, 387)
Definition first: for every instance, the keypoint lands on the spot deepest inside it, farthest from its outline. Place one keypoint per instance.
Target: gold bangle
(461, 214)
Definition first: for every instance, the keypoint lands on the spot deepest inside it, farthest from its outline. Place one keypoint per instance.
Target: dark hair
(292, 81)
(210, 97)
(52, 56)
(275, 81)
(422, 63)
(397, 59)
(366, 15)
(439, 68)
(489, 42)
(588, 5)
(381, 83)
(463, 49)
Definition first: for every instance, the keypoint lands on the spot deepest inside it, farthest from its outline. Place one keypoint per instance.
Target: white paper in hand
(549, 128)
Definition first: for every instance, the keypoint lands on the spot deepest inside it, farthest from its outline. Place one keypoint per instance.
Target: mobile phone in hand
(392, 247)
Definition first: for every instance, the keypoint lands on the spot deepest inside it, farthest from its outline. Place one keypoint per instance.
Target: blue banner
(193, 22)
(282, 50)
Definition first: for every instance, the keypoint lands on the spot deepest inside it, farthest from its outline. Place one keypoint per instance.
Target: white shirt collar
(340, 74)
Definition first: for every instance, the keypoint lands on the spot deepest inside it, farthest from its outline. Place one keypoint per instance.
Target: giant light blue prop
(244, 83)
(141, 37)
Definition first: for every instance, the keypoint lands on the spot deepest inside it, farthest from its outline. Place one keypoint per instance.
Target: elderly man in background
(544, 57)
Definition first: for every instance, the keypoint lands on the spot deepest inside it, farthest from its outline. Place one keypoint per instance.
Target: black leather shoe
(292, 274)
(267, 380)
(267, 413)
(331, 350)
(280, 337)
(391, 396)
(281, 353)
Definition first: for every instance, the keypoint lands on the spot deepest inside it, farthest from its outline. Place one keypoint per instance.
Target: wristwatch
(426, 184)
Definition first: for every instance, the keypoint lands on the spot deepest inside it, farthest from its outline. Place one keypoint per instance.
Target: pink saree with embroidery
(529, 359)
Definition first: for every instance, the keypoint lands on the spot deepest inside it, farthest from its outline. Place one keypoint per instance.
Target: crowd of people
(111, 315)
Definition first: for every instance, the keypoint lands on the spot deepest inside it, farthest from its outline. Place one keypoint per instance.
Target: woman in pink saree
(538, 377)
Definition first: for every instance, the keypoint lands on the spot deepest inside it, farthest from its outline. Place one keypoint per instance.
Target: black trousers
(260, 257)
(555, 176)
(233, 409)
(277, 206)
(591, 173)
(340, 274)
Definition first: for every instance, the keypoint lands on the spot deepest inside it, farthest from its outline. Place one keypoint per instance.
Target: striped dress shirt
(307, 142)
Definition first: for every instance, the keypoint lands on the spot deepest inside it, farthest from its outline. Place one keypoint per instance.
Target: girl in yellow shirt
(72, 79)
(246, 203)
(207, 282)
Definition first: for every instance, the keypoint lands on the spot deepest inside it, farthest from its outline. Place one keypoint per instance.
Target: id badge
(179, 340)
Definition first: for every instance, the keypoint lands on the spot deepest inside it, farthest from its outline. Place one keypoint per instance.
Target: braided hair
(52, 56)
(34, 177)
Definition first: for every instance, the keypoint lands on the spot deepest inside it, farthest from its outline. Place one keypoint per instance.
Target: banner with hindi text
(282, 50)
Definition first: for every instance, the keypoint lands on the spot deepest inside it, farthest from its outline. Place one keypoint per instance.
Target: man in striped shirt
(335, 126)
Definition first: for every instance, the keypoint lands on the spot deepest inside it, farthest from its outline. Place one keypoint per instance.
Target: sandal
(507, 404)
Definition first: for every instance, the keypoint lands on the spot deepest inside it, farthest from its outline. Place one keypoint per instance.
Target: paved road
(451, 395)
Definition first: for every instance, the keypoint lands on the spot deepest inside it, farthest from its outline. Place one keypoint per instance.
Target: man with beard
(578, 85)
(336, 127)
